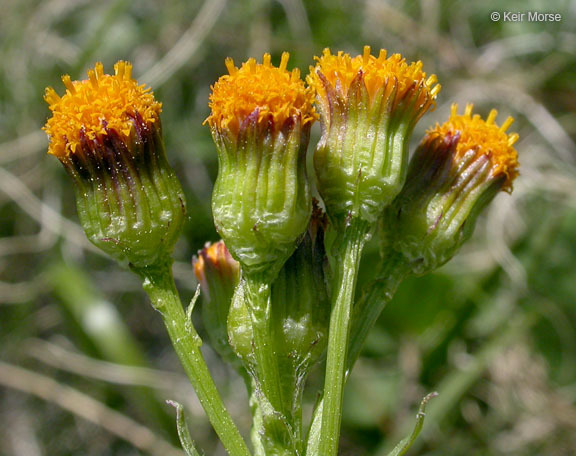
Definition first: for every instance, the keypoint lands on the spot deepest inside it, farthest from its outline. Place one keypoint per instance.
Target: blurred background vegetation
(85, 364)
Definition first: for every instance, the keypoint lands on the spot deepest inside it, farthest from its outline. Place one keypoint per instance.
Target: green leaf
(183, 433)
(406, 443)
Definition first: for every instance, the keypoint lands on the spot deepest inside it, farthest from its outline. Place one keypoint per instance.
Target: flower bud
(106, 132)
(368, 108)
(260, 122)
(456, 171)
(218, 274)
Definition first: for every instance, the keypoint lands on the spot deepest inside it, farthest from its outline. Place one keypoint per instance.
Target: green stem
(257, 423)
(160, 287)
(257, 294)
(347, 260)
(276, 417)
(365, 314)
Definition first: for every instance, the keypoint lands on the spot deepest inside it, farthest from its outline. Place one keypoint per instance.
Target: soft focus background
(85, 364)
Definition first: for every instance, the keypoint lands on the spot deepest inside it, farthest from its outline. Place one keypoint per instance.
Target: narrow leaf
(183, 433)
(192, 304)
(406, 443)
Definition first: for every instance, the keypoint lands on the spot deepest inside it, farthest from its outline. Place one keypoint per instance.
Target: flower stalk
(159, 284)
(368, 108)
(106, 132)
(344, 285)
(260, 121)
(457, 170)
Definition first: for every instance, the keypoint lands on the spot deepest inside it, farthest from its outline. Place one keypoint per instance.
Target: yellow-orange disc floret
(274, 91)
(485, 137)
(90, 106)
(341, 69)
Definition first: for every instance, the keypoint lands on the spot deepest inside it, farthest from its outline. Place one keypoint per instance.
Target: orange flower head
(92, 107)
(106, 132)
(483, 136)
(260, 122)
(456, 171)
(382, 75)
(215, 260)
(368, 108)
(273, 92)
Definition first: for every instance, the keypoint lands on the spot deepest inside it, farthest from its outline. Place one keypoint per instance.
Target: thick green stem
(276, 413)
(159, 285)
(257, 294)
(347, 260)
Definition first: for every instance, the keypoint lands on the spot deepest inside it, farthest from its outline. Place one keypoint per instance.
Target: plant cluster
(280, 288)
